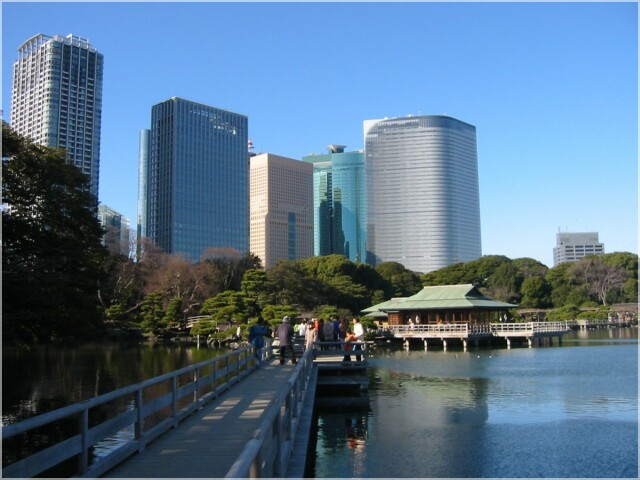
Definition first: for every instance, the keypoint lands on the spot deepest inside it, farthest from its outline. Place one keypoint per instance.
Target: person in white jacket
(358, 331)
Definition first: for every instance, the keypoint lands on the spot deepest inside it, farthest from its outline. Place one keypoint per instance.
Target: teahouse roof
(446, 297)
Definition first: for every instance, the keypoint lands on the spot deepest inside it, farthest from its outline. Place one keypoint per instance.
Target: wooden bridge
(465, 332)
(220, 418)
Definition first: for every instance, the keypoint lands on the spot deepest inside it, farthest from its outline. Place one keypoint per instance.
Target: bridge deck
(206, 444)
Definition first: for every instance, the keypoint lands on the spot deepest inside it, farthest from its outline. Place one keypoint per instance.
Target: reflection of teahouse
(441, 304)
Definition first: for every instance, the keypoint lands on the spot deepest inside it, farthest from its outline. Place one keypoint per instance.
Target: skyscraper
(57, 98)
(143, 169)
(571, 247)
(116, 237)
(339, 203)
(197, 179)
(281, 209)
(422, 192)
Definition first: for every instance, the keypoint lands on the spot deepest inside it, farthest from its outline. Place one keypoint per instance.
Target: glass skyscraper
(57, 98)
(197, 179)
(339, 200)
(423, 207)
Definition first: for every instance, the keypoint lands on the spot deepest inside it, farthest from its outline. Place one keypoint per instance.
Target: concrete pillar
(426, 344)
(508, 342)
(530, 342)
(464, 344)
(444, 343)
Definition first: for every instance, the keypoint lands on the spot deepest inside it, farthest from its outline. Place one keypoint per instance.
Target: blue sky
(552, 89)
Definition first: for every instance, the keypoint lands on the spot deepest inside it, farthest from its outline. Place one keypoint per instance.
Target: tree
(404, 282)
(52, 253)
(536, 293)
(599, 278)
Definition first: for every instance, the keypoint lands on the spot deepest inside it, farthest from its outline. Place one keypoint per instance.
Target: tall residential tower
(422, 192)
(339, 198)
(57, 98)
(197, 180)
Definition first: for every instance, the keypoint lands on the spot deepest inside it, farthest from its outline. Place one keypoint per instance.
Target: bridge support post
(444, 343)
(559, 339)
(426, 344)
(406, 343)
(530, 342)
(464, 344)
(551, 341)
(508, 342)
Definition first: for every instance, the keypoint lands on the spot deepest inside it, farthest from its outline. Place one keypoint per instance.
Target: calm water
(45, 378)
(569, 411)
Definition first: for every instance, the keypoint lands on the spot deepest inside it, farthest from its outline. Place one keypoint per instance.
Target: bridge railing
(148, 409)
(528, 328)
(442, 329)
(267, 453)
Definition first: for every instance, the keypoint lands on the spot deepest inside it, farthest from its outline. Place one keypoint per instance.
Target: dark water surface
(551, 411)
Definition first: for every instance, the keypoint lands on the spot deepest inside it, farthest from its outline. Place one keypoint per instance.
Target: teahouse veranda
(457, 304)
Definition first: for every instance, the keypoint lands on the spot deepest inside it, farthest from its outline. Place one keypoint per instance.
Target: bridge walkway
(207, 444)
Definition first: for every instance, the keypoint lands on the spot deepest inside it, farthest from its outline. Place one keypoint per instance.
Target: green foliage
(153, 315)
(274, 313)
(536, 293)
(51, 240)
(403, 282)
(567, 312)
(227, 307)
(598, 314)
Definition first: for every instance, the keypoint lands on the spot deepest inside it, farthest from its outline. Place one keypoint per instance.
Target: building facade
(197, 186)
(281, 208)
(116, 237)
(339, 203)
(423, 207)
(57, 98)
(571, 247)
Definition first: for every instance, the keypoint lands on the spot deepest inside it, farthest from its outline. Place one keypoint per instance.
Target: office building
(339, 203)
(143, 168)
(57, 98)
(116, 237)
(197, 180)
(571, 247)
(281, 208)
(423, 206)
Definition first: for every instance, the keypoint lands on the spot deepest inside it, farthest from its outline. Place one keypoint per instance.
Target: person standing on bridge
(358, 331)
(285, 335)
(257, 333)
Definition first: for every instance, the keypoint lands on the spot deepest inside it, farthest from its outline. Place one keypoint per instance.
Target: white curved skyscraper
(423, 208)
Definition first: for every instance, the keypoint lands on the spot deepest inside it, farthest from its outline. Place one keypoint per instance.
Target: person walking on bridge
(285, 335)
(257, 333)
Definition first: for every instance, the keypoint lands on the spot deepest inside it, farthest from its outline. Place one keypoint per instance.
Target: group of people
(315, 330)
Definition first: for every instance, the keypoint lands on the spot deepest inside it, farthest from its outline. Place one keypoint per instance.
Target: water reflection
(539, 412)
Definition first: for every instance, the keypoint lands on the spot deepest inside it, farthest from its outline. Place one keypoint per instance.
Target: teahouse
(449, 304)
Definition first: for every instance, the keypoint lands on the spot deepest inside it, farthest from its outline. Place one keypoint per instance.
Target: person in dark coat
(285, 335)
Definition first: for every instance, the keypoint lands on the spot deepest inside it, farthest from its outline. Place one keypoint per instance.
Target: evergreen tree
(51, 241)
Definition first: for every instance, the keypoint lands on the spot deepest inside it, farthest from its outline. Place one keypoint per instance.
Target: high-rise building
(339, 203)
(571, 247)
(143, 169)
(116, 237)
(423, 206)
(57, 98)
(281, 208)
(197, 180)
